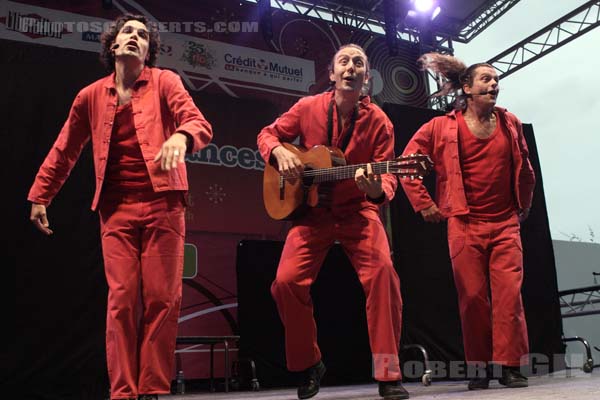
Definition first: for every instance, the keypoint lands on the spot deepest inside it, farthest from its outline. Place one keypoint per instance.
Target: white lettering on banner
(228, 156)
(33, 25)
(240, 63)
(262, 66)
(195, 59)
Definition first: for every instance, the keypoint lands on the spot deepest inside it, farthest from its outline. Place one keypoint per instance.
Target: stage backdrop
(237, 78)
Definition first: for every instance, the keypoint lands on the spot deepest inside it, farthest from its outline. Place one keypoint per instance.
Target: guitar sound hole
(307, 180)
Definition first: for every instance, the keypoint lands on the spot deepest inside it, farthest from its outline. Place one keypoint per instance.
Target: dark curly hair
(108, 37)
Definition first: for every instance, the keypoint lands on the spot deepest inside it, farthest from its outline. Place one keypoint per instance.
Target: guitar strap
(345, 138)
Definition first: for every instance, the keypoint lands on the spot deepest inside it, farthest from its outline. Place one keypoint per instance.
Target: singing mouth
(133, 44)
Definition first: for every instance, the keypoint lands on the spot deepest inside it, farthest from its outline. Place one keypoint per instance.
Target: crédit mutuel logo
(260, 66)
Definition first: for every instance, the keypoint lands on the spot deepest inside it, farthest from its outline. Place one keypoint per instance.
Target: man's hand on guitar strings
(288, 163)
(368, 182)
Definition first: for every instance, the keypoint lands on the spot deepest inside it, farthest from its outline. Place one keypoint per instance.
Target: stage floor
(579, 385)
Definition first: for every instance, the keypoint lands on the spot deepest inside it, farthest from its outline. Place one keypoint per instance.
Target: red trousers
(365, 242)
(487, 259)
(142, 243)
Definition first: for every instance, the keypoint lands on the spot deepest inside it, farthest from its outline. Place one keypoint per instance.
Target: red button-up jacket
(161, 106)
(372, 140)
(439, 139)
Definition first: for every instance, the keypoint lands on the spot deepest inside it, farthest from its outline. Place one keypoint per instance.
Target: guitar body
(286, 199)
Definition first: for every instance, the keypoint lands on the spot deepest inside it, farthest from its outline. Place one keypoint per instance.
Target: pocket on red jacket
(456, 235)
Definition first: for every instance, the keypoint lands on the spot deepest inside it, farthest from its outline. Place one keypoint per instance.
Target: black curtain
(339, 305)
(60, 289)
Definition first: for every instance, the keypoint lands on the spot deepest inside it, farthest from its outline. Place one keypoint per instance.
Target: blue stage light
(424, 9)
(423, 5)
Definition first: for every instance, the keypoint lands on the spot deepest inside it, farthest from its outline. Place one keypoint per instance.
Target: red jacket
(371, 141)
(439, 139)
(161, 106)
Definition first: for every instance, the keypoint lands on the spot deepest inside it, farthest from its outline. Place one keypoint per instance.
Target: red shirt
(126, 169)
(372, 140)
(439, 139)
(161, 106)
(485, 163)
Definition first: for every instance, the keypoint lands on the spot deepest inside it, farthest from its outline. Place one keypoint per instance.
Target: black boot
(392, 390)
(512, 378)
(148, 397)
(482, 379)
(479, 383)
(312, 381)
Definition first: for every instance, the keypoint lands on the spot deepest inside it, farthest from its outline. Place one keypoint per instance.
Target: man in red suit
(141, 122)
(343, 117)
(484, 188)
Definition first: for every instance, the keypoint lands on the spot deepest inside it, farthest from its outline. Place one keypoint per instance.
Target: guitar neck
(344, 172)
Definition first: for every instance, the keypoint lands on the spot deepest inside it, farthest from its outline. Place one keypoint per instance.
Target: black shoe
(312, 381)
(512, 378)
(479, 383)
(480, 377)
(392, 390)
(148, 397)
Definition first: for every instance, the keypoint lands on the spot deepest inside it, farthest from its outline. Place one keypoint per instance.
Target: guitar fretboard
(345, 172)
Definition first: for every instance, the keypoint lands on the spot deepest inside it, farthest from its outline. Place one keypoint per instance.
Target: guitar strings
(346, 171)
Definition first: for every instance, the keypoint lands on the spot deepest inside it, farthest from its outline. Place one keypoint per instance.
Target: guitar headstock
(413, 166)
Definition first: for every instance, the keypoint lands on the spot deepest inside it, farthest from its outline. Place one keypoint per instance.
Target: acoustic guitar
(286, 198)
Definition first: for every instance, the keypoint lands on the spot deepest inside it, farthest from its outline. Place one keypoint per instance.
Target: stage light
(423, 5)
(422, 11)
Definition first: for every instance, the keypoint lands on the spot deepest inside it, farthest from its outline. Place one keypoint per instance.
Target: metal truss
(367, 15)
(560, 32)
(579, 302)
(437, 102)
(440, 103)
(482, 18)
(548, 39)
(358, 14)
